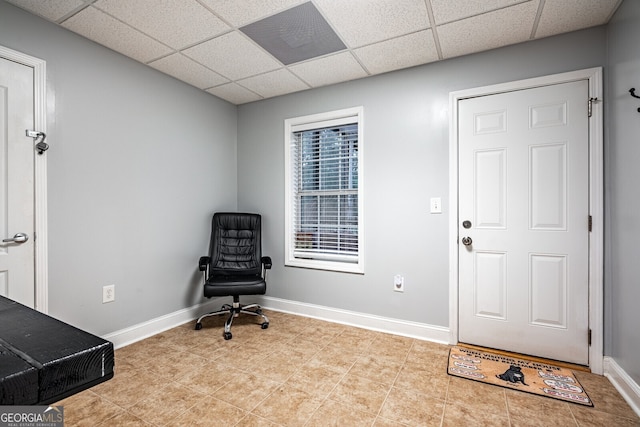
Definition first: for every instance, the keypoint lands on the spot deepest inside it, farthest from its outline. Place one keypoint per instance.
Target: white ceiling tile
(234, 93)
(176, 23)
(233, 56)
(483, 33)
(274, 83)
(102, 28)
(362, 22)
(239, 13)
(561, 16)
(187, 70)
(402, 52)
(51, 9)
(446, 10)
(330, 69)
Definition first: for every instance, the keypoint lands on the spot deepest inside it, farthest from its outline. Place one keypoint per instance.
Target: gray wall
(406, 131)
(622, 152)
(137, 164)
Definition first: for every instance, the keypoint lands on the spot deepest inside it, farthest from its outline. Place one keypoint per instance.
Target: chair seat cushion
(226, 285)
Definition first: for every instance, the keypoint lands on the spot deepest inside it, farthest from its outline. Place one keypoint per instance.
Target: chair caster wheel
(227, 335)
(198, 326)
(264, 325)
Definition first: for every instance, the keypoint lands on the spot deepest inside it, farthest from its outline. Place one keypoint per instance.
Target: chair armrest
(203, 263)
(266, 260)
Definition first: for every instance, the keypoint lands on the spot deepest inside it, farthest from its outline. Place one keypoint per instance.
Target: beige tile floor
(306, 372)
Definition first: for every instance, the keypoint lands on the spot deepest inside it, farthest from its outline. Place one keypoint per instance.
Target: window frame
(310, 122)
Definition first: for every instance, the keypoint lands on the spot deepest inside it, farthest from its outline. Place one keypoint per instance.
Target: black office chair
(235, 266)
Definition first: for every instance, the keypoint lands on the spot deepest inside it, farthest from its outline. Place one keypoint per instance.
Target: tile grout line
(446, 401)
(128, 409)
(404, 363)
(506, 404)
(338, 382)
(573, 415)
(281, 384)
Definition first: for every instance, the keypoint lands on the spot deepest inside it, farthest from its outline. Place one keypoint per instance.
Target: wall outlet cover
(398, 283)
(108, 293)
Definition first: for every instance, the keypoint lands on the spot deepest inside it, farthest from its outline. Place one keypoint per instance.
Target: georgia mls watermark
(32, 416)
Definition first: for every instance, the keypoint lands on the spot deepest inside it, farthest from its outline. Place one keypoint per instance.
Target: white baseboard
(422, 331)
(405, 328)
(138, 332)
(627, 387)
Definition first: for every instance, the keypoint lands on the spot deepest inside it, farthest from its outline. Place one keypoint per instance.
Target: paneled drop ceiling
(207, 43)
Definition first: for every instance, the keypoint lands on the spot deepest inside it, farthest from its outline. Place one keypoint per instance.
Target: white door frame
(596, 198)
(40, 171)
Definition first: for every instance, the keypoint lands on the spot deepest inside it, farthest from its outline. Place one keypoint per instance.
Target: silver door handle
(18, 238)
(467, 241)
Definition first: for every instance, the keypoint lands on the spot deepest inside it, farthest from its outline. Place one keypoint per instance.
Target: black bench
(44, 360)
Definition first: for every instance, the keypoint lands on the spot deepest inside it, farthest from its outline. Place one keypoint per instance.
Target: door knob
(467, 241)
(18, 238)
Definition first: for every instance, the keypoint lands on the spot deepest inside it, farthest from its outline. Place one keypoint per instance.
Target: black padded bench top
(44, 360)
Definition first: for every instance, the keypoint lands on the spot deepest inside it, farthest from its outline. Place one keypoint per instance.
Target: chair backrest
(236, 244)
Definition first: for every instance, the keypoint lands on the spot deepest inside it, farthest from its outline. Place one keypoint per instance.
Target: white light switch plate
(436, 205)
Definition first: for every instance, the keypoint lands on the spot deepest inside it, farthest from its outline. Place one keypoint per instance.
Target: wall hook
(38, 140)
(632, 92)
(41, 146)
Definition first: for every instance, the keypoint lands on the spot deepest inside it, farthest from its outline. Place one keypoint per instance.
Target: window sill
(341, 267)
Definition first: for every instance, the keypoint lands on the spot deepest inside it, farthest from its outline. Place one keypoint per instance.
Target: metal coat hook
(41, 146)
(632, 91)
(38, 139)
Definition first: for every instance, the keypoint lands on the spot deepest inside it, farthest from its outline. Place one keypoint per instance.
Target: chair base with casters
(234, 311)
(235, 266)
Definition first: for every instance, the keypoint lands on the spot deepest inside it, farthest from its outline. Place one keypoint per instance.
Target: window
(323, 155)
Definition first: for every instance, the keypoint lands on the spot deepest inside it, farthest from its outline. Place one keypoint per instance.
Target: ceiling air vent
(295, 35)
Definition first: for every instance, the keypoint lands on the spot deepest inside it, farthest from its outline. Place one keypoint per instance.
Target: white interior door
(16, 182)
(524, 252)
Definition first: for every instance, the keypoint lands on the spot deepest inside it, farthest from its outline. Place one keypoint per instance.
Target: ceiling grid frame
(393, 34)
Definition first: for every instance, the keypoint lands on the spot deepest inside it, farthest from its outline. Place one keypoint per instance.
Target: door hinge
(590, 107)
(590, 223)
(589, 337)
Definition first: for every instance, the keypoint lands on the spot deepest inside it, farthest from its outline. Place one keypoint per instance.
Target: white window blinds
(324, 173)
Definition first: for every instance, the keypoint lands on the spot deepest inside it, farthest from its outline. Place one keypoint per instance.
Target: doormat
(517, 374)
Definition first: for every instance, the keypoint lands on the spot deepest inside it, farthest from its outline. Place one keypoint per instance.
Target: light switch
(436, 205)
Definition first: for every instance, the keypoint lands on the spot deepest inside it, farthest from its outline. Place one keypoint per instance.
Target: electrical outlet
(398, 283)
(108, 293)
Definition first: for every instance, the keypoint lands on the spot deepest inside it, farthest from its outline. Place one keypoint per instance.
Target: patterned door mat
(517, 374)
